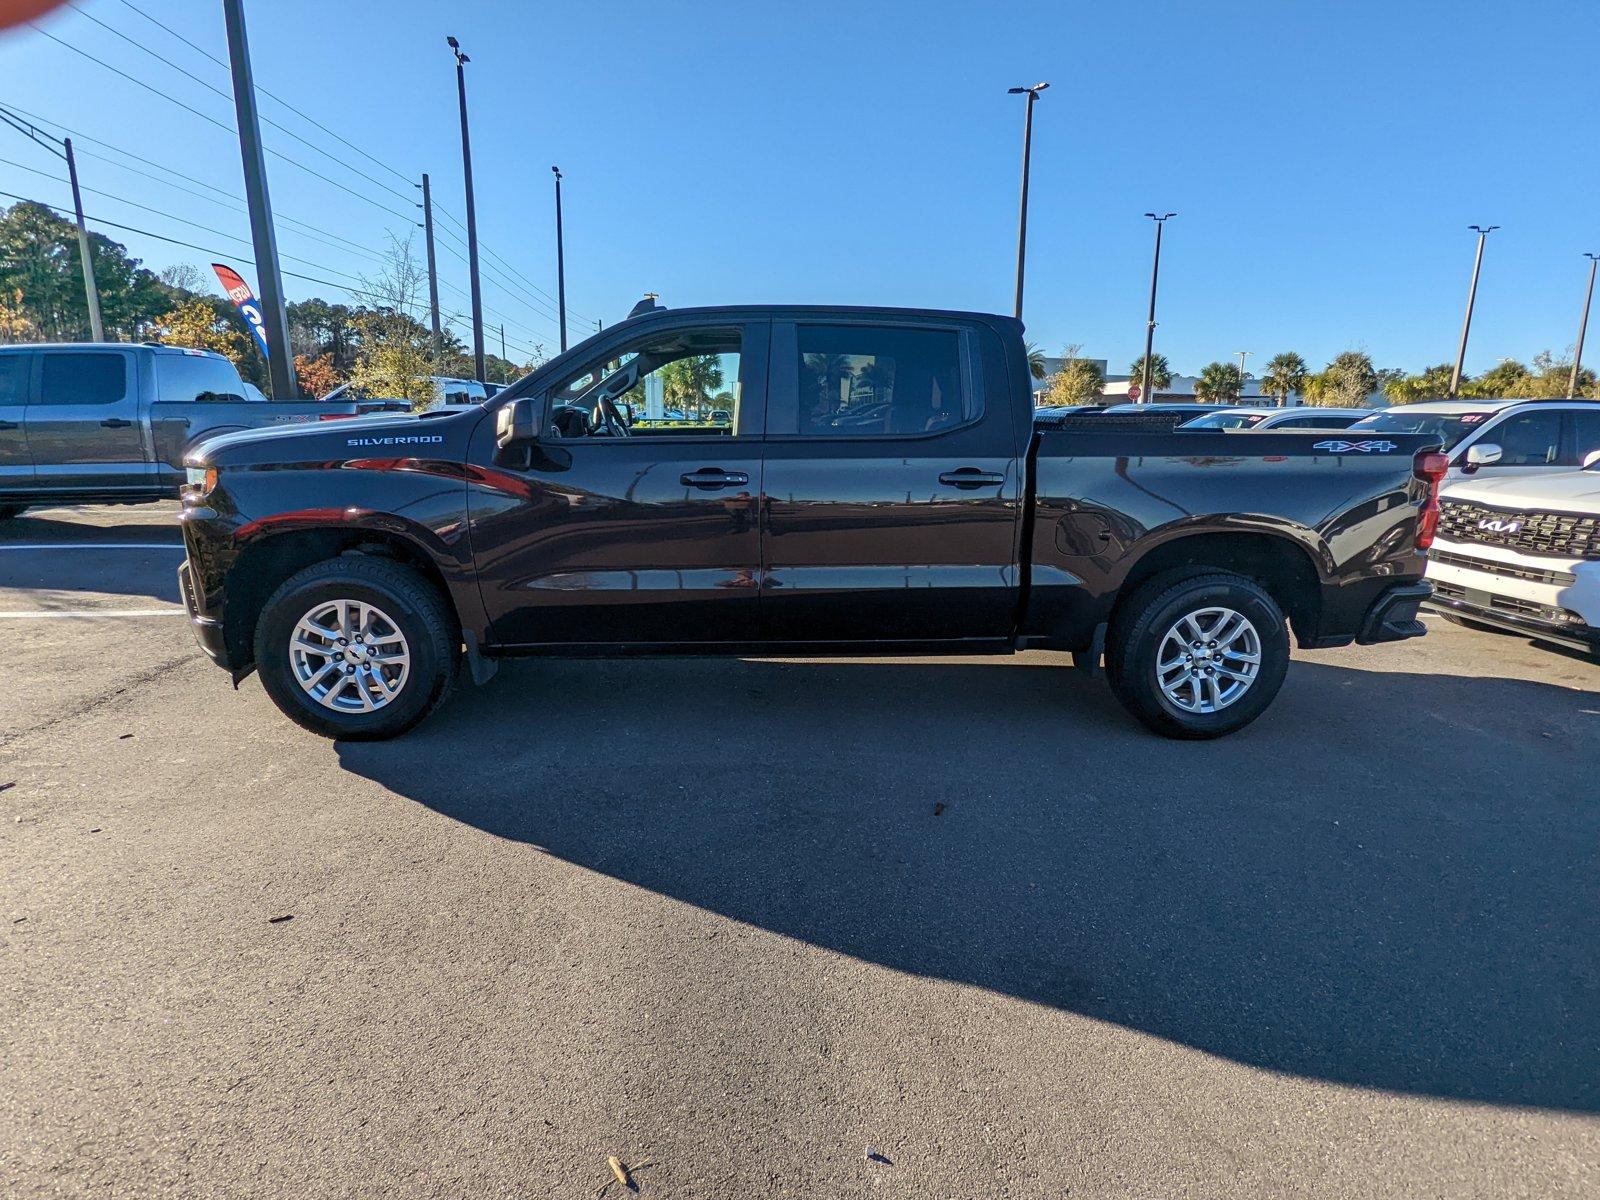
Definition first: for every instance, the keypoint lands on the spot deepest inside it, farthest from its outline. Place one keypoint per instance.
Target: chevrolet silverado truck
(1522, 555)
(880, 488)
(110, 423)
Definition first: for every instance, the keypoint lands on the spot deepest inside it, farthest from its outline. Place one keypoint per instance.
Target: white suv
(1522, 554)
(1499, 437)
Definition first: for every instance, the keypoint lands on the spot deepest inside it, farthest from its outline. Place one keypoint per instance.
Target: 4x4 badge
(1340, 446)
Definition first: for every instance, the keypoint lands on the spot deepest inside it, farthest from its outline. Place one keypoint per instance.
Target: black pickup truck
(881, 488)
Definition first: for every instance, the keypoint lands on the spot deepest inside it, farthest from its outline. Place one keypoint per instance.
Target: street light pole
(1027, 154)
(1483, 231)
(1242, 355)
(97, 327)
(263, 238)
(561, 263)
(1583, 326)
(472, 209)
(1150, 324)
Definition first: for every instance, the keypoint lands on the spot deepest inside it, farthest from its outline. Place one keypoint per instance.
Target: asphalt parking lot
(876, 928)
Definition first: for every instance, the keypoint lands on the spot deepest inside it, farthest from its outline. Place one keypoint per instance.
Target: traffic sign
(1134, 393)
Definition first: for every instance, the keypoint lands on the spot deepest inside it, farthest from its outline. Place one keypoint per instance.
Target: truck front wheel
(1197, 656)
(356, 647)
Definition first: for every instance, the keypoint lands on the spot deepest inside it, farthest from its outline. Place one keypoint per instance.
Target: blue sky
(1324, 159)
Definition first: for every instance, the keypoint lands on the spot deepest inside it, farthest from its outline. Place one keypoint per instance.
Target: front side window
(13, 378)
(1529, 439)
(83, 377)
(1586, 433)
(683, 383)
(198, 377)
(862, 380)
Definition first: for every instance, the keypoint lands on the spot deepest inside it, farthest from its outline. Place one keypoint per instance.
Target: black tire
(410, 602)
(7, 511)
(1142, 622)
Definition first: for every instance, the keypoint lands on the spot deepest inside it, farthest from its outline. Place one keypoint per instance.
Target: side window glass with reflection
(1530, 439)
(678, 384)
(1586, 431)
(864, 380)
(192, 377)
(83, 378)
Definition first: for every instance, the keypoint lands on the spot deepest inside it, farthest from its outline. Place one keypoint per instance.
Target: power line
(228, 200)
(439, 208)
(279, 99)
(161, 237)
(410, 218)
(228, 96)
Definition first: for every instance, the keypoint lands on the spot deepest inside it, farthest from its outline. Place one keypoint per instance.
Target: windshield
(1450, 428)
(1225, 420)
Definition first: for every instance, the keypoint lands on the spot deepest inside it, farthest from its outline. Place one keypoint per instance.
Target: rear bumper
(1393, 616)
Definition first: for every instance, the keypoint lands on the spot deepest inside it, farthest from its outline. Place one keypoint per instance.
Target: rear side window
(864, 380)
(83, 378)
(13, 378)
(1585, 430)
(198, 377)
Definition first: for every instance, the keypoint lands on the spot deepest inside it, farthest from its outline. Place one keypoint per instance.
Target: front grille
(1509, 605)
(1507, 570)
(1570, 535)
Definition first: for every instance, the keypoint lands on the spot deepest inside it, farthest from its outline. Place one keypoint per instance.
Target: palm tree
(1286, 373)
(828, 371)
(1218, 382)
(687, 383)
(1160, 373)
(1036, 365)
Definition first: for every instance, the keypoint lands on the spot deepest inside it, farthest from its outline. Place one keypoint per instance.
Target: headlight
(203, 479)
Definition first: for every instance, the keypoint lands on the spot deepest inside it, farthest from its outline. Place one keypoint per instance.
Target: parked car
(89, 423)
(1502, 437)
(1522, 554)
(353, 568)
(1188, 409)
(1279, 418)
(446, 390)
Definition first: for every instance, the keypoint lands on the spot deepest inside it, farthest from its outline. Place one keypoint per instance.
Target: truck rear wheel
(1198, 655)
(357, 647)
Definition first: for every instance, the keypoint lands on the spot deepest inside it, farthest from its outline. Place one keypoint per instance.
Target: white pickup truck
(1522, 554)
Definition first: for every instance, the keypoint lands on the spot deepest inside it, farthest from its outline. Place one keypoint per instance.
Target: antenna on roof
(647, 305)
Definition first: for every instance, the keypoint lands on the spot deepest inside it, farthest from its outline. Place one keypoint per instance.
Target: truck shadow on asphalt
(1389, 881)
(82, 568)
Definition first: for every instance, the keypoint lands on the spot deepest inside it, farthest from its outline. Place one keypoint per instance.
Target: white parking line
(24, 614)
(91, 545)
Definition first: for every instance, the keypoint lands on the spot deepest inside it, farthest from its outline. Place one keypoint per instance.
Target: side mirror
(1483, 454)
(519, 423)
(1590, 459)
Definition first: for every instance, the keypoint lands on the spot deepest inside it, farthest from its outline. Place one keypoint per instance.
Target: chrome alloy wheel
(1208, 659)
(349, 656)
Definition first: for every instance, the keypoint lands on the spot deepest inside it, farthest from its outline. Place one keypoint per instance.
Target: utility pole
(1027, 154)
(274, 318)
(1242, 355)
(504, 361)
(96, 326)
(1483, 231)
(1150, 324)
(472, 210)
(433, 266)
(1583, 326)
(561, 263)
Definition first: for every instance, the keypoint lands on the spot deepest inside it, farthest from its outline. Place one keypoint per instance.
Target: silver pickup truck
(110, 423)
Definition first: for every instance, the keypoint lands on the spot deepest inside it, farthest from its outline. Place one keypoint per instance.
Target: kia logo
(1496, 525)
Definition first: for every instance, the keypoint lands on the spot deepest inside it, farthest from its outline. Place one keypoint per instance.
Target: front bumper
(1551, 598)
(207, 626)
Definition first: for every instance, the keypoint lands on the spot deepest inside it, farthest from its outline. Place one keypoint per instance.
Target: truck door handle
(713, 477)
(971, 477)
(115, 423)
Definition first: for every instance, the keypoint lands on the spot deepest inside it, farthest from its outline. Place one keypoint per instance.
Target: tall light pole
(263, 239)
(1242, 355)
(1150, 323)
(561, 263)
(1027, 154)
(97, 327)
(1583, 326)
(1483, 231)
(472, 209)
